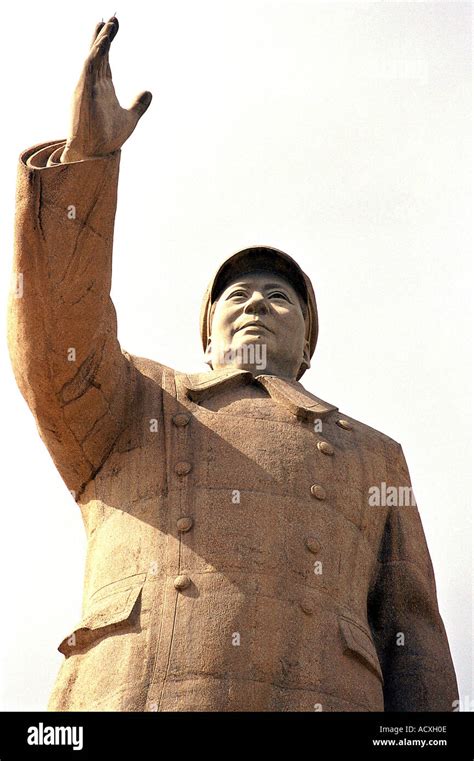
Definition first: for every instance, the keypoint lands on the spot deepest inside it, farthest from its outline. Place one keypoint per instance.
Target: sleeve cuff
(43, 155)
(49, 154)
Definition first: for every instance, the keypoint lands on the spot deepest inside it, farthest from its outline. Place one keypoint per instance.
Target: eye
(278, 294)
(237, 294)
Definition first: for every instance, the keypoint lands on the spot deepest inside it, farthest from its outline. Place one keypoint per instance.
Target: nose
(256, 304)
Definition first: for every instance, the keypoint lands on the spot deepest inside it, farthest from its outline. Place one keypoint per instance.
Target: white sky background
(338, 132)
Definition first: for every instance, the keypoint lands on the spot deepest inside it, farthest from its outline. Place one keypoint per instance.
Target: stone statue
(250, 547)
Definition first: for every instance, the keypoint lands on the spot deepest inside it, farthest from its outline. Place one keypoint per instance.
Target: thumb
(140, 104)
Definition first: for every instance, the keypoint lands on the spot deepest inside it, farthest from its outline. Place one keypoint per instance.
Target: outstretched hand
(99, 124)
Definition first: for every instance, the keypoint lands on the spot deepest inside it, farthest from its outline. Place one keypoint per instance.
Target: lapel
(289, 393)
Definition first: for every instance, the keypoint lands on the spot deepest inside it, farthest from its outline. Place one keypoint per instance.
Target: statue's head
(259, 314)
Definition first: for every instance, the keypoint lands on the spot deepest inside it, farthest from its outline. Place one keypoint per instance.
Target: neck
(268, 368)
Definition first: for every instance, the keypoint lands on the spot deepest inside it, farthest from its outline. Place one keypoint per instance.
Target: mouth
(254, 325)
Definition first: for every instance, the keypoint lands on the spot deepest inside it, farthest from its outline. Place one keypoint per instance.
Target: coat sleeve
(62, 325)
(403, 611)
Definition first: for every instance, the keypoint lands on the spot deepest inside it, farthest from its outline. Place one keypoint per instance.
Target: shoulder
(150, 368)
(363, 436)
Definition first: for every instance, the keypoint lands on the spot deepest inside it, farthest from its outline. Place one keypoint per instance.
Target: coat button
(318, 491)
(184, 524)
(313, 544)
(345, 424)
(307, 606)
(181, 468)
(181, 582)
(181, 418)
(325, 447)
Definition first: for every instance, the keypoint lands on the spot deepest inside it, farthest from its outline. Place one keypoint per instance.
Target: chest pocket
(253, 454)
(111, 609)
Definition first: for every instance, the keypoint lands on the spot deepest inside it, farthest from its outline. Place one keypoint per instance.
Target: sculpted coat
(234, 562)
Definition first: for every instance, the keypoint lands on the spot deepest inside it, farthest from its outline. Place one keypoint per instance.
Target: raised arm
(62, 325)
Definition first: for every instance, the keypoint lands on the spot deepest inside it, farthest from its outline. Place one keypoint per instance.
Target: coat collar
(291, 394)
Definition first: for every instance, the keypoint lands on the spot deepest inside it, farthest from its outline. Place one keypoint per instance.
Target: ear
(307, 354)
(207, 353)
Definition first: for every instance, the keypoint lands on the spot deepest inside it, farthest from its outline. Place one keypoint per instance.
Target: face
(258, 325)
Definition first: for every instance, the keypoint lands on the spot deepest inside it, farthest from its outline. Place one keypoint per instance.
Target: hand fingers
(104, 64)
(97, 29)
(141, 103)
(98, 58)
(109, 29)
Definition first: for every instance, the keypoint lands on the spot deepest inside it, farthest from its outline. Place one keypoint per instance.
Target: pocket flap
(105, 613)
(358, 640)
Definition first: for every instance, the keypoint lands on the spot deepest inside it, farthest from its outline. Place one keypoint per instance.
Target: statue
(250, 547)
